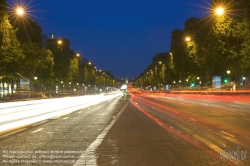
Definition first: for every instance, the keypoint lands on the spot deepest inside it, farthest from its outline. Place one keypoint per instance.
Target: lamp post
(198, 78)
(229, 79)
(62, 86)
(244, 78)
(35, 78)
(69, 87)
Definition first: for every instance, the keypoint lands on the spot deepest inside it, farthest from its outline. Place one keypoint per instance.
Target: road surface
(144, 129)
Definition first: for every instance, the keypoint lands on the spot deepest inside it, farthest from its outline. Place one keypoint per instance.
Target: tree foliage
(11, 54)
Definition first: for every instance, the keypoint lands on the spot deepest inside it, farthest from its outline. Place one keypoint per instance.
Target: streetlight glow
(59, 41)
(20, 11)
(219, 11)
(188, 39)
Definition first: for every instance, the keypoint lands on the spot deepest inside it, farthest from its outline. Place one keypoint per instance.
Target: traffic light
(225, 81)
(192, 84)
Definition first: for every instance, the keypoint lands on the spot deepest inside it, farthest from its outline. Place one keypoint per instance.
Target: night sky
(121, 36)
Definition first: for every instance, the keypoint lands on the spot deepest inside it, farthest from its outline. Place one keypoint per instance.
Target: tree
(11, 54)
(62, 57)
(232, 32)
(39, 61)
(74, 70)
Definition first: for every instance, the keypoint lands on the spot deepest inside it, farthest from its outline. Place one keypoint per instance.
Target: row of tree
(206, 47)
(26, 53)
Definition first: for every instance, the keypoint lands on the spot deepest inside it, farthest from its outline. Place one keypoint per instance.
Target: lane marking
(192, 119)
(39, 123)
(66, 118)
(208, 143)
(12, 133)
(231, 135)
(56, 117)
(236, 112)
(236, 106)
(89, 156)
(37, 130)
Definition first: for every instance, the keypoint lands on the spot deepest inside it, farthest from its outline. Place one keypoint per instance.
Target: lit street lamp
(188, 39)
(20, 11)
(35, 78)
(219, 11)
(59, 42)
(244, 78)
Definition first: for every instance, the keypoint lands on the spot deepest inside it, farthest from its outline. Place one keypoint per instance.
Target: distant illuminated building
(126, 81)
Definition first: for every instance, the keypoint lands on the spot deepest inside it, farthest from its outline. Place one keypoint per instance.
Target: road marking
(236, 106)
(66, 118)
(231, 135)
(89, 156)
(37, 130)
(209, 144)
(236, 112)
(56, 117)
(192, 119)
(79, 112)
(12, 133)
(39, 123)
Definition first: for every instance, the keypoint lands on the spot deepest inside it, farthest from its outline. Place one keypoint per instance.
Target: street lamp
(20, 11)
(219, 11)
(188, 39)
(244, 78)
(59, 42)
(61, 86)
(35, 78)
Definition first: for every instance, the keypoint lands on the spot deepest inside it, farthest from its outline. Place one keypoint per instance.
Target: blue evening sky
(121, 36)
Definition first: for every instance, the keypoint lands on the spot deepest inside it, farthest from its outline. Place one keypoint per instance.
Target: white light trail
(14, 115)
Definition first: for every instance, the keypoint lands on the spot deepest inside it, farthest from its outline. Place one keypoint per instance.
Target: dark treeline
(27, 53)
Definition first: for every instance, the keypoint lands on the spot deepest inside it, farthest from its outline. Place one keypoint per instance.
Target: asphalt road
(179, 130)
(145, 129)
(58, 141)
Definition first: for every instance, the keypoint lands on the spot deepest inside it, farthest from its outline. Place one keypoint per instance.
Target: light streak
(15, 115)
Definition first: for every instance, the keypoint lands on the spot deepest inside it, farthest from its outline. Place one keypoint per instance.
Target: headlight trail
(14, 115)
(191, 119)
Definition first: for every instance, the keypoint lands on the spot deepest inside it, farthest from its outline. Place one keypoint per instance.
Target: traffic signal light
(225, 81)
(192, 84)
